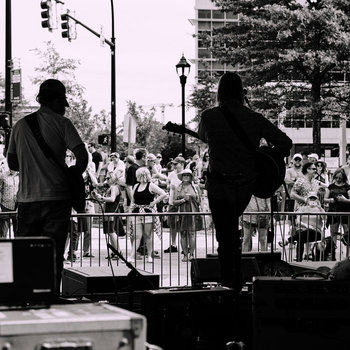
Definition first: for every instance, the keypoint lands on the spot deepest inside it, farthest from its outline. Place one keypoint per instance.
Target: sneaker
(88, 255)
(155, 255)
(171, 249)
(71, 258)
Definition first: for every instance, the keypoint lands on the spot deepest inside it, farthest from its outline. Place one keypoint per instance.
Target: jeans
(46, 218)
(5, 222)
(225, 213)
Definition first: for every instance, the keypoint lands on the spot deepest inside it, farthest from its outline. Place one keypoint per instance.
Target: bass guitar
(270, 165)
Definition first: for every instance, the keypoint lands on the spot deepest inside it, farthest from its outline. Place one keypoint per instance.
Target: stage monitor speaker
(264, 260)
(205, 270)
(187, 319)
(300, 313)
(28, 271)
(97, 281)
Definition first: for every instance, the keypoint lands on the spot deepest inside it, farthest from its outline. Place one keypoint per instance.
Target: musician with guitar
(238, 167)
(37, 149)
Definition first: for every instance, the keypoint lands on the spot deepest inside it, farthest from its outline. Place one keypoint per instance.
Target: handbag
(74, 177)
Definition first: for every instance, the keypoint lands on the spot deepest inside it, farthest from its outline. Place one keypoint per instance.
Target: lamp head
(183, 67)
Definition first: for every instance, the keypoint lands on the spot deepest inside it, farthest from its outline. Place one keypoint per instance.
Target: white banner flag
(129, 135)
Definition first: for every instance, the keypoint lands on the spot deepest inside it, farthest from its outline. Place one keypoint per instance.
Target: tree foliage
(150, 135)
(298, 45)
(52, 65)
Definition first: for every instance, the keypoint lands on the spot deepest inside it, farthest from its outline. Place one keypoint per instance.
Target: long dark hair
(230, 88)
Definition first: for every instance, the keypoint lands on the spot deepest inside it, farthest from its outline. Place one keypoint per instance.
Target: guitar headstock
(175, 128)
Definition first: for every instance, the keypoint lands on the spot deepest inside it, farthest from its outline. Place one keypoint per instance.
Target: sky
(151, 37)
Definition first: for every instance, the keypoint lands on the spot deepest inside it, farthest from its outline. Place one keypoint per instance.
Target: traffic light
(49, 14)
(103, 139)
(4, 121)
(68, 27)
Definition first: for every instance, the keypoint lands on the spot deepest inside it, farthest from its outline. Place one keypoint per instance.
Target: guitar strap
(32, 120)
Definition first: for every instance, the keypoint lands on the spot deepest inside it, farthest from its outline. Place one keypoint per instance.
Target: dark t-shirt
(334, 190)
(96, 158)
(131, 175)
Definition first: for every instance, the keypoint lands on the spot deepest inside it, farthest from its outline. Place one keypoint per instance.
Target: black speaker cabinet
(185, 318)
(94, 282)
(204, 270)
(300, 313)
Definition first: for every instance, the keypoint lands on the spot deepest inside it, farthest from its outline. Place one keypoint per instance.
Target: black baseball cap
(53, 88)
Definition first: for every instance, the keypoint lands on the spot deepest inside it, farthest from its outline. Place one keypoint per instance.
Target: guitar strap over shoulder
(33, 123)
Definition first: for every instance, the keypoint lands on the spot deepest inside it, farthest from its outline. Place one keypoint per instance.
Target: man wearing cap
(173, 182)
(293, 172)
(44, 198)
(232, 168)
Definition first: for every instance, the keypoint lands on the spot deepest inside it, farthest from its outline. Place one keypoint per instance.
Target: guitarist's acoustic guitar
(269, 163)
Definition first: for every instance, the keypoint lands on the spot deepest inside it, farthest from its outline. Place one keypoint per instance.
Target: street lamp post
(113, 87)
(183, 69)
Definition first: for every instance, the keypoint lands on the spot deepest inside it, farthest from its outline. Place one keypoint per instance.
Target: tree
(297, 45)
(150, 135)
(52, 65)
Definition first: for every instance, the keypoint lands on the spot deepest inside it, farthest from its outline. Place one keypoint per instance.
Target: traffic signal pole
(113, 75)
(8, 62)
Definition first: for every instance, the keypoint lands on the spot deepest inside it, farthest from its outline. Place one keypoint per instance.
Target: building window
(217, 14)
(204, 14)
(204, 25)
(218, 24)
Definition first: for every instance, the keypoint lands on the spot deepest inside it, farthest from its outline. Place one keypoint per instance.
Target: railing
(173, 271)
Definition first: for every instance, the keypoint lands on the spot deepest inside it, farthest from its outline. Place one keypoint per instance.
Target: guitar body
(271, 172)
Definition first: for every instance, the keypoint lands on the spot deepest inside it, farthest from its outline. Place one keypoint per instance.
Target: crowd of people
(309, 186)
(141, 183)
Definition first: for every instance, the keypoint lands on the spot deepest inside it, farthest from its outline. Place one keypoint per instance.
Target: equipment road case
(84, 326)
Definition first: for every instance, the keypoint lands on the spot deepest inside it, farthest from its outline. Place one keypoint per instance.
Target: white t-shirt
(40, 178)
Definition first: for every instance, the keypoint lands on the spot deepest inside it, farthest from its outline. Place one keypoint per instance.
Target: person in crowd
(9, 181)
(291, 176)
(173, 182)
(313, 157)
(91, 183)
(158, 164)
(305, 155)
(187, 197)
(338, 198)
(109, 196)
(116, 168)
(44, 198)
(157, 177)
(130, 181)
(346, 167)
(145, 196)
(96, 158)
(322, 177)
(256, 224)
(294, 171)
(205, 163)
(233, 173)
(309, 228)
(304, 185)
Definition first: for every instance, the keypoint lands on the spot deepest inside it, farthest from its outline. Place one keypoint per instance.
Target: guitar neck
(191, 133)
(179, 129)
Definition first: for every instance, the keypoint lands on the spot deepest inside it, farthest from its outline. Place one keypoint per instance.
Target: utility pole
(8, 62)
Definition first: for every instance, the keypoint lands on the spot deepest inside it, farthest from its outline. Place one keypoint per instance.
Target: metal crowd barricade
(170, 267)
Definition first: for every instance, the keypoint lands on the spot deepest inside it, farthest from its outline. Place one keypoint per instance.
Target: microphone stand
(133, 274)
